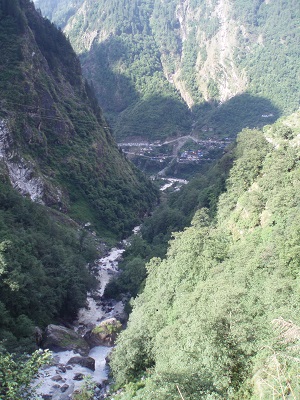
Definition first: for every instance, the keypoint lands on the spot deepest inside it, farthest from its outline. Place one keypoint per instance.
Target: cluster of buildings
(201, 150)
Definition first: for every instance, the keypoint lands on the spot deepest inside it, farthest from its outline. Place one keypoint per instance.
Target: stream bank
(63, 377)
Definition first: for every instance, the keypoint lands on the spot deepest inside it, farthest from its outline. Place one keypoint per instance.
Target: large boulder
(60, 338)
(104, 334)
(87, 362)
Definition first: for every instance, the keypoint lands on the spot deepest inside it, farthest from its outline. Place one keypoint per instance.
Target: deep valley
(149, 199)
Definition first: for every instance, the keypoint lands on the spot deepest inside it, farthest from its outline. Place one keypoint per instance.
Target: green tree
(16, 375)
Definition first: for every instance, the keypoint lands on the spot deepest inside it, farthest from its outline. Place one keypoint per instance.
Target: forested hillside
(55, 142)
(174, 213)
(43, 274)
(218, 317)
(62, 178)
(160, 68)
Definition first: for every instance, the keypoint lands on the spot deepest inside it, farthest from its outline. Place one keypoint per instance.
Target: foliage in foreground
(86, 391)
(203, 321)
(16, 374)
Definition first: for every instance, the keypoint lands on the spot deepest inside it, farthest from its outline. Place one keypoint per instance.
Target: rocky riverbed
(81, 350)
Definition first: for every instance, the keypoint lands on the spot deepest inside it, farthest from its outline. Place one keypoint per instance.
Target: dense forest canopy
(216, 316)
(42, 268)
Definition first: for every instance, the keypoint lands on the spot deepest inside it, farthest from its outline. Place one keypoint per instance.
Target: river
(57, 381)
(171, 181)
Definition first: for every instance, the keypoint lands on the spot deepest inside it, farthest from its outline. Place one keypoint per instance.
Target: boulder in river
(104, 334)
(64, 388)
(56, 378)
(59, 338)
(87, 362)
(78, 377)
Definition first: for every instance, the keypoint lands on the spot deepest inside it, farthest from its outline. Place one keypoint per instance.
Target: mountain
(162, 68)
(55, 142)
(218, 317)
(63, 179)
(59, 11)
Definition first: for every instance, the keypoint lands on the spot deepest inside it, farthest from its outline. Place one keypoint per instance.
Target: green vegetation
(162, 116)
(108, 328)
(10, 28)
(218, 317)
(128, 75)
(145, 57)
(215, 317)
(53, 129)
(43, 274)
(272, 32)
(16, 374)
(172, 215)
(244, 110)
(57, 126)
(86, 392)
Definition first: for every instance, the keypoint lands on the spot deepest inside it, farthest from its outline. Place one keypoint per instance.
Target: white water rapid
(171, 181)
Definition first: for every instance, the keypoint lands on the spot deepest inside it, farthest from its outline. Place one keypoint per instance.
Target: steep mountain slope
(43, 274)
(62, 177)
(218, 318)
(55, 143)
(218, 59)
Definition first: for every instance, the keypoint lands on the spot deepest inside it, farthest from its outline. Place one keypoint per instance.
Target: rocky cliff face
(23, 174)
(212, 31)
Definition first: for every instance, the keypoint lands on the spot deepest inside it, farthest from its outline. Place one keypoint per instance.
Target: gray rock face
(23, 178)
(87, 362)
(59, 338)
(38, 335)
(122, 316)
(20, 173)
(23, 174)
